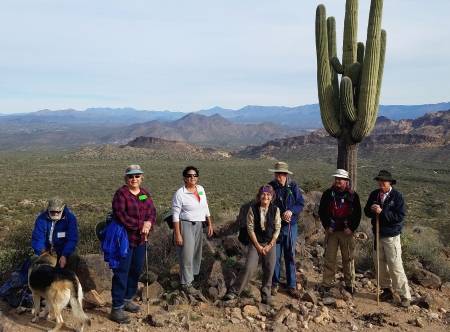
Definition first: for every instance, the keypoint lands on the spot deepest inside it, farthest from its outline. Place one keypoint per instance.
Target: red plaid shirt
(132, 210)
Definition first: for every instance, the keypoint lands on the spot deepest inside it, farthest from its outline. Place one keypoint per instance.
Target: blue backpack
(15, 290)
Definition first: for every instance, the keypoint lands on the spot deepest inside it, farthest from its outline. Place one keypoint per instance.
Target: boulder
(445, 288)
(426, 279)
(232, 246)
(94, 273)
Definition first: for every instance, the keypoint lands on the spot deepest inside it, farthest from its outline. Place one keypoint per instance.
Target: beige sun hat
(341, 173)
(281, 167)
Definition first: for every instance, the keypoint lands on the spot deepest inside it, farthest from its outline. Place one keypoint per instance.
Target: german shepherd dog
(58, 287)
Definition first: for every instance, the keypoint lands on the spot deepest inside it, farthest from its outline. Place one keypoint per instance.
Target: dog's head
(47, 258)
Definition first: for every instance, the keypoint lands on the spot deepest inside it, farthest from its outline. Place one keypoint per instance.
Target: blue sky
(190, 55)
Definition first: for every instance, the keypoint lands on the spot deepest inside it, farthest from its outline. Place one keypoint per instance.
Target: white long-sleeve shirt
(185, 205)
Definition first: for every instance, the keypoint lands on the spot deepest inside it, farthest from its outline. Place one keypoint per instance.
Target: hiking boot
(292, 292)
(131, 307)
(190, 290)
(230, 296)
(405, 302)
(267, 301)
(350, 289)
(118, 316)
(387, 295)
(274, 290)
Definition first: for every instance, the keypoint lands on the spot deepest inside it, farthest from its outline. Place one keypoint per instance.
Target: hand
(329, 230)
(62, 261)
(260, 249)
(286, 215)
(376, 208)
(146, 228)
(210, 230)
(267, 248)
(347, 231)
(178, 240)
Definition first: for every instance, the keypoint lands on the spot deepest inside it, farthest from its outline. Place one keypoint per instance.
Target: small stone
(340, 304)
(419, 322)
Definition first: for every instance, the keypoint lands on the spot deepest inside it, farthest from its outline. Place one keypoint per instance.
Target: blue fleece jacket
(65, 233)
(289, 197)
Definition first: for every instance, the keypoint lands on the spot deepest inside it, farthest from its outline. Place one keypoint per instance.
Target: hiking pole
(377, 237)
(146, 279)
(293, 261)
(350, 261)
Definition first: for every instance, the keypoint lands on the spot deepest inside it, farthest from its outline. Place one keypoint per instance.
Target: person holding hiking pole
(389, 205)
(340, 214)
(133, 208)
(290, 201)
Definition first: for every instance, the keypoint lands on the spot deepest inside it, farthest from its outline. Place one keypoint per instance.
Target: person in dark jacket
(340, 214)
(388, 203)
(263, 226)
(133, 208)
(57, 228)
(290, 202)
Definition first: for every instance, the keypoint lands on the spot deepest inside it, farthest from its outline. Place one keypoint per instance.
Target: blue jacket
(65, 233)
(392, 215)
(114, 244)
(289, 197)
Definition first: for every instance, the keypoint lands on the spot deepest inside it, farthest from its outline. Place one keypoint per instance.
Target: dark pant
(126, 276)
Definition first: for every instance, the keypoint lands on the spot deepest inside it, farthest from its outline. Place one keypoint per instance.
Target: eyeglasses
(55, 212)
(191, 176)
(133, 176)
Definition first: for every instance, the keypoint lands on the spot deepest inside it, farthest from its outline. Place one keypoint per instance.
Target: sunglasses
(191, 176)
(133, 176)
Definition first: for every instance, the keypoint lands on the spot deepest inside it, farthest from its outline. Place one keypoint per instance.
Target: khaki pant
(339, 240)
(391, 266)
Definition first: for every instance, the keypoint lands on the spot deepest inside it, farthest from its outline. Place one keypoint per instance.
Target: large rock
(94, 273)
(445, 288)
(232, 246)
(426, 279)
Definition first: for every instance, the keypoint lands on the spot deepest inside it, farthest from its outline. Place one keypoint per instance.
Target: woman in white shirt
(189, 212)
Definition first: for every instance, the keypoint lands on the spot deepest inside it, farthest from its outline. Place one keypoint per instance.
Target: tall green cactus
(349, 109)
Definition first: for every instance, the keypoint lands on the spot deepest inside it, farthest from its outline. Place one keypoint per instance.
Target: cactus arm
(324, 78)
(360, 53)
(380, 75)
(336, 65)
(347, 106)
(355, 73)
(332, 53)
(350, 35)
(366, 103)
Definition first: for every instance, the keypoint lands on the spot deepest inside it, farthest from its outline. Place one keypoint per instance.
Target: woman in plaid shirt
(133, 208)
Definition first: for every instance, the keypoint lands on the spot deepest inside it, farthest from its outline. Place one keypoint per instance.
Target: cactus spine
(349, 109)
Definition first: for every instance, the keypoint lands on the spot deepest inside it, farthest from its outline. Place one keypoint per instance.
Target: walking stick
(146, 279)
(377, 231)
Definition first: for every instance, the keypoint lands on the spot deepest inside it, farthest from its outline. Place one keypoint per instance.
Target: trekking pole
(377, 231)
(350, 261)
(146, 279)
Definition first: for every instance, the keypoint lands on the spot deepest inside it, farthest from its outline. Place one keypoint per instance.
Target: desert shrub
(15, 248)
(424, 245)
(161, 252)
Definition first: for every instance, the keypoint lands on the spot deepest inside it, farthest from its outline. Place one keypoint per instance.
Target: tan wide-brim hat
(280, 167)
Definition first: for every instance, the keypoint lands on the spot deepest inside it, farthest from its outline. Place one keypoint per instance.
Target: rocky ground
(335, 310)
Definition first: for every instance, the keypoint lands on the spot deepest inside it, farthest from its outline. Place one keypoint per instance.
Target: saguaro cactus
(349, 109)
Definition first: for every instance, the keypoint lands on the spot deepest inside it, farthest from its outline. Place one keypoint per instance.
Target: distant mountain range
(300, 117)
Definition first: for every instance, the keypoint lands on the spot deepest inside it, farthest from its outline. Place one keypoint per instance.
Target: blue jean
(286, 246)
(126, 276)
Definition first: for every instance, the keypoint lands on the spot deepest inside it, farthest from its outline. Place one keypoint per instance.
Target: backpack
(243, 236)
(15, 290)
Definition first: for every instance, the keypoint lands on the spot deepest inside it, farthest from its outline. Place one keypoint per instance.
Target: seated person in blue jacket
(57, 227)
